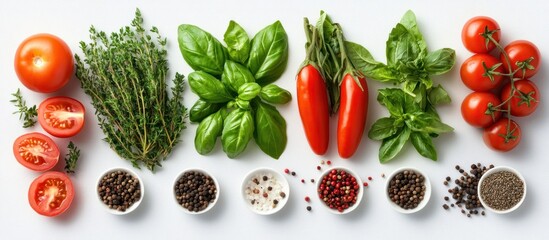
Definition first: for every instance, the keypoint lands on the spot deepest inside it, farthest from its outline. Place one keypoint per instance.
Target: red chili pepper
(353, 111)
(312, 100)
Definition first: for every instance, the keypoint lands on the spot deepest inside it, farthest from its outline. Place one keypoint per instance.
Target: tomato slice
(51, 193)
(36, 151)
(61, 116)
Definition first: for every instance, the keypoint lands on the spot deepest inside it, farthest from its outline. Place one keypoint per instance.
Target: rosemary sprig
(125, 76)
(28, 115)
(71, 158)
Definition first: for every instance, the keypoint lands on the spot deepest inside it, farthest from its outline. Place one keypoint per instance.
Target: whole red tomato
(51, 193)
(481, 72)
(496, 136)
(353, 111)
(472, 34)
(524, 56)
(477, 109)
(44, 63)
(525, 100)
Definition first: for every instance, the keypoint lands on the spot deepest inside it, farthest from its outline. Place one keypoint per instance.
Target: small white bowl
(421, 204)
(266, 172)
(358, 197)
(211, 204)
(135, 204)
(495, 170)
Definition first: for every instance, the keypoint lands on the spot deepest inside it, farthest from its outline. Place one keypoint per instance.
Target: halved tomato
(51, 193)
(36, 151)
(61, 116)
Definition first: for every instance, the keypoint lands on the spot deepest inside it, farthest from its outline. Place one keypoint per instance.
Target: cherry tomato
(525, 100)
(44, 63)
(61, 116)
(36, 151)
(496, 136)
(475, 72)
(353, 110)
(475, 106)
(312, 100)
(51, 193)
(522, 51)
(472, 34)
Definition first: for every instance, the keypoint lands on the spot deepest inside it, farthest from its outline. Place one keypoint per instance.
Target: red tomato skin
(39, 206)
(493, 138)
(471, 34)
(519, 109)
(353, 111)
(521, 50)
(78, 121)
(472, 71)
(312, 101)
(474, 106)
(53, 151)
(56, 66)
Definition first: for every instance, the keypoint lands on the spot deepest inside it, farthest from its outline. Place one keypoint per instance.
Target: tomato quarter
(471, 34)
(61, 116)
(525, 100)
(496, 136)
(475, 106)
(475, 72)
(51, 193)
(36, 151)
(524, 53)
(44, 63)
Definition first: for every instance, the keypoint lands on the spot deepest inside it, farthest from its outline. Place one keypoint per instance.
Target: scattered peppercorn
(318, 168)
(464, 193)
(365, 184)
(312, 180)
(307, 199)
(293, 173)
(309, 208)
(119, 190)
(383, 175)
(370, 178)
(445, 206)
(302, 180)
(407, 189)
(287, 171)
(446, 198)
(329, 162)
(195, 191)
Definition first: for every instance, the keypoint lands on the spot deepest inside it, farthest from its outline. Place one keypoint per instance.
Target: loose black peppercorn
(293, 173)
(465, 190)
(445, 206)
(309, 208)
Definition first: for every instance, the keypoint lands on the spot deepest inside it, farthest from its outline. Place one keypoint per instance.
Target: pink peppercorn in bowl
(340, 190)
(404, 194)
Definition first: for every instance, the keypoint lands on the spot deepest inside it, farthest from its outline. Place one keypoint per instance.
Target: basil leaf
(423, 143)
(248, 91)
(270, 130)
(275, 94)
(383, 128)
(437, 95)
(201, 109)
(391, 146)
(402, 50)
(364, 62)
(440, 61)
(413, 104)
(235, 74)
(269, 54)
(207, 132)
(208, 88)
(427, 123)
(409, 21)
(238, 42)
(393, 99)
(237, 132)
(409, 87)
(201, 50)
(242, 104)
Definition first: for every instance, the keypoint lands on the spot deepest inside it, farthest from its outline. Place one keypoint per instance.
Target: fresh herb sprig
(71, 158)
(125, 76)
(27, 114)
(413, 115)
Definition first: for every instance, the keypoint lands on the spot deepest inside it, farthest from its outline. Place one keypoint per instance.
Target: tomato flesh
(51, 194)
(61, 116)
(36, 151)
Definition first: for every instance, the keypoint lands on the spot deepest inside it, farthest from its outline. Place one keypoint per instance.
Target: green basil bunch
(235, 86)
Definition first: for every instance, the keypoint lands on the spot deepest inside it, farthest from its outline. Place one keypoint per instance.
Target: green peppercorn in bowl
(120, 190)
(195, 190)
(340, 190)
(501, 189)
(408, 190)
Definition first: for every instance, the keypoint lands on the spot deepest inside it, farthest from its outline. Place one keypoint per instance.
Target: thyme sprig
(125, 76)
(71, 158)
(27, 114)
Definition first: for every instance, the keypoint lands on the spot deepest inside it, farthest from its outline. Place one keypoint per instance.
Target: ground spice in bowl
(502, 190)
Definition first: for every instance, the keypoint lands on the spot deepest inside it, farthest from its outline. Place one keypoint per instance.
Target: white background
(365, 22)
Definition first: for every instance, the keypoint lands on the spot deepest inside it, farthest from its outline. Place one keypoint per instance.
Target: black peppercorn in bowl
(408, 190)
(340, 190)
(120, 190)
(195, 191)
(501, 189)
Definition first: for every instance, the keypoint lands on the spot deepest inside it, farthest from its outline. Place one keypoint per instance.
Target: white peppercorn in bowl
(136, 194)
(265, 191)
(320, 191)
(507, 175)
(211, 196)
(423, 200)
